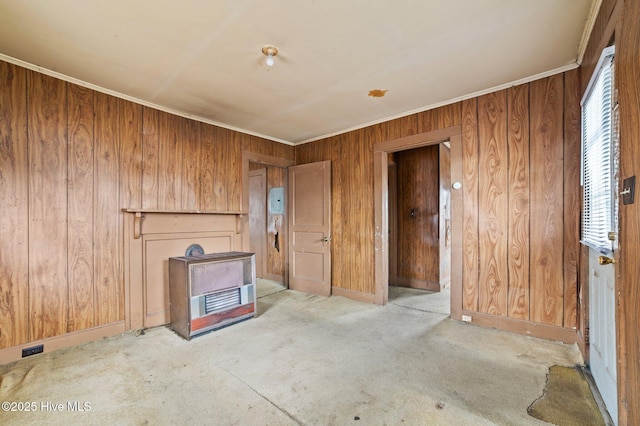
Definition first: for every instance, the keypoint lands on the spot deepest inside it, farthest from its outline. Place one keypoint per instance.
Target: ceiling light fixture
(271, 52)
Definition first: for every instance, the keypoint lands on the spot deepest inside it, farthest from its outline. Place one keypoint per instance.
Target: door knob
(604, 260)
(326, 239)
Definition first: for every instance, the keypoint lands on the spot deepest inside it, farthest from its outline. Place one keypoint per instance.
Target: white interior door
(602, 331)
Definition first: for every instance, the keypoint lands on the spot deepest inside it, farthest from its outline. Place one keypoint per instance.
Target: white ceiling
(203, 59)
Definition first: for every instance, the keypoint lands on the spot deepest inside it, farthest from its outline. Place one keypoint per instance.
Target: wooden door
(258, 218)
(310, 228)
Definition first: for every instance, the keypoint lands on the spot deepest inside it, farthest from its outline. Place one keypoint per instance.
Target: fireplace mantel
(139, 214)
(151, 236)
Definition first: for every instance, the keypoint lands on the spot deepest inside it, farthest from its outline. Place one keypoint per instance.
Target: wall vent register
(210, 291)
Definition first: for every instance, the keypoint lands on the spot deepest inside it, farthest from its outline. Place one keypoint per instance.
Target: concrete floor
(304, 360)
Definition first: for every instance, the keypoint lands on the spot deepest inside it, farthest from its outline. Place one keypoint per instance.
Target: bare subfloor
(304, 360)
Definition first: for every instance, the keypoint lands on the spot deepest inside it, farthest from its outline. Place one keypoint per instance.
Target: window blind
(597, 157)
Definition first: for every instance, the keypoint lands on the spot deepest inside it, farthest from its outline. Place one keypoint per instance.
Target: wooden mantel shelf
(137, 221)
(183, 211)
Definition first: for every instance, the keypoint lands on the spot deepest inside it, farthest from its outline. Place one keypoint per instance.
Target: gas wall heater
(210, 291)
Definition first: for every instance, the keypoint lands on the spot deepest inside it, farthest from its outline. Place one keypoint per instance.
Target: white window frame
(597, 149)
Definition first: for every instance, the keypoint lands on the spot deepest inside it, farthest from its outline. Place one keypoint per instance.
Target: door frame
(267, 160)
(381, 209)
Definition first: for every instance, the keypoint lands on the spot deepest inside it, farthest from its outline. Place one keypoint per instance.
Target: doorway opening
(419, 207)
(382, 151)
(265, 201)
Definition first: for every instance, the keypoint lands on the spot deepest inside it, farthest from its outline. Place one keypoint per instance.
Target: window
(598, 157)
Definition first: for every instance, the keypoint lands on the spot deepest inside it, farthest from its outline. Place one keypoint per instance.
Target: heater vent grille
(222, 300)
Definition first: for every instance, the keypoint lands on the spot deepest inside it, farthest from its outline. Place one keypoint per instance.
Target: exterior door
(310, 228)
(602, 330)
(258, 218)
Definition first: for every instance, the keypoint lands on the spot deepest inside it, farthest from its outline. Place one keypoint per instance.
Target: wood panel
(628, 315)
(81, 208)
(449, 115)
(130, 127)
(14, 213)
(215, 143)
(571, 196)
(191, 162)
(170, 161)
(493, 202)
(107, 217)
(47, 147)
(338, 197)
(150, 152)
(206, 164)
(470, 261)
(276, 177)
(547, 289)
(428, 121)
(518, 193)
(418, 216)
(232, 171)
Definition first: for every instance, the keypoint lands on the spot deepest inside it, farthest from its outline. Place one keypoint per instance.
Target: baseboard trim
(354, 295)
(58, 342)
(542, 331)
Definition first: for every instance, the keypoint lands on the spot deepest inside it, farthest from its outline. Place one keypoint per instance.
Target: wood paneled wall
(521, 177)
(523, 236)
(70, 160)
(418, 233)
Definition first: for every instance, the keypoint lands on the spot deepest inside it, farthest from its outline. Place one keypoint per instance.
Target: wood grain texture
(418, 214)
(449, 115)
(628, 315)
(130, 128)
(81, 208)
(276, 256)
(571, 196)
(215, 146)
(14, 213)
(190, 166)
(107, 216)
(150, 152)
(232, 168)
(546, 287)
(428, 121)
(470, 242)
(493, 203)
(170, 161)
(47, 147)
(206, 166)
(518, 193)
(338, 222)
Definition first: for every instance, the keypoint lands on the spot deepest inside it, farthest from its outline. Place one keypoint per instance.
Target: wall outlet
(32, 350)
(466, 318)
